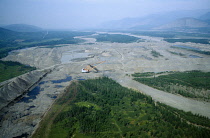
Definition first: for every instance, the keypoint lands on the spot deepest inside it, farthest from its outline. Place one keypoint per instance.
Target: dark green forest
(194, 79)
(202, 41)
(173, 36)
(10, 69)
(175, 53)
(194, 50)
(10, 40)
(103, 108)
(116, 38)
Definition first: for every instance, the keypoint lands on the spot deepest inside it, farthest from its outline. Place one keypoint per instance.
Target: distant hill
(5, 33)
(184, 23)
(146, 22)
(139, 22)
(3, 30)
(151, 21)
(22, 28)
(205, 16)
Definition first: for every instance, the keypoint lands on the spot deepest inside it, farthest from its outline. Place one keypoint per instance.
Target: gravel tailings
(19, 86)
(179, 102)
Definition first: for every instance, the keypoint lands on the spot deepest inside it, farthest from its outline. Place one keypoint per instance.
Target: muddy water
(20, 119)
(68, 56)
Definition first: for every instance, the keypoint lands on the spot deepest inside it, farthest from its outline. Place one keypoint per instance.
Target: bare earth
(121, 61)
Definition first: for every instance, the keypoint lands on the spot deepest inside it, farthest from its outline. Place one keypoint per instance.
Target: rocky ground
(22, 117)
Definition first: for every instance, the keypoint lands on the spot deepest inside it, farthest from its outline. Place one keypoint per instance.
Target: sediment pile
(18, 86)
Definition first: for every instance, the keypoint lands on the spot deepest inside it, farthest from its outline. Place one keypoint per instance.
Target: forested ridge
(193, 84)
(103, 108)
(10, 40)
(10, 69)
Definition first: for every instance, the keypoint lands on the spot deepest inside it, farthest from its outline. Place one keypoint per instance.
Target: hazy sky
(86, 13)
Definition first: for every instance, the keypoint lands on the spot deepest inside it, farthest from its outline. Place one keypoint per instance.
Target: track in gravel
(179, 102)
(50, 116)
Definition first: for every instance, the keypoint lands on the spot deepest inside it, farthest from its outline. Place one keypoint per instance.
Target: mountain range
(184, 23)
(195, 20)
(5, 33)
(167, 21)
(205, 17)
(22, 28)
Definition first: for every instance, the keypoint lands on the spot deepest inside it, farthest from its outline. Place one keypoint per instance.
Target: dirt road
(179, 102)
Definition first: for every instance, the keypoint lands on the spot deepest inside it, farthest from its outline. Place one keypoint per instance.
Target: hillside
(205, 16)
(140, 23)
(11, 40)
(151, 21)
(22, 28)
(184, 23)
(5, 33)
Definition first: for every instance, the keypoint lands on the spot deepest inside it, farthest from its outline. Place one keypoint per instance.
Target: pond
(194, 56)
(69, 56)
(68, 78)
(31, 95)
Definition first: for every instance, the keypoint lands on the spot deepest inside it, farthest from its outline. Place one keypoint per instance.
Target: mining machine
(90, 67)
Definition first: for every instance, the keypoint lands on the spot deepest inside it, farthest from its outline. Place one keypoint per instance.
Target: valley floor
(122, 60)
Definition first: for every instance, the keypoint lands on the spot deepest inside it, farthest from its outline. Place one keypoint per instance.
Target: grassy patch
(146, 74)
(156, 54)
(123, 113)
(9, 69)
(175, 53)
(88, 105)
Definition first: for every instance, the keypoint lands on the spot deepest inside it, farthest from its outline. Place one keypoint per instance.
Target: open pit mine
(24, 100)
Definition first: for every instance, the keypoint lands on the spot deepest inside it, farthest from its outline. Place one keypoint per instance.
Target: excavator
(90, 67)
